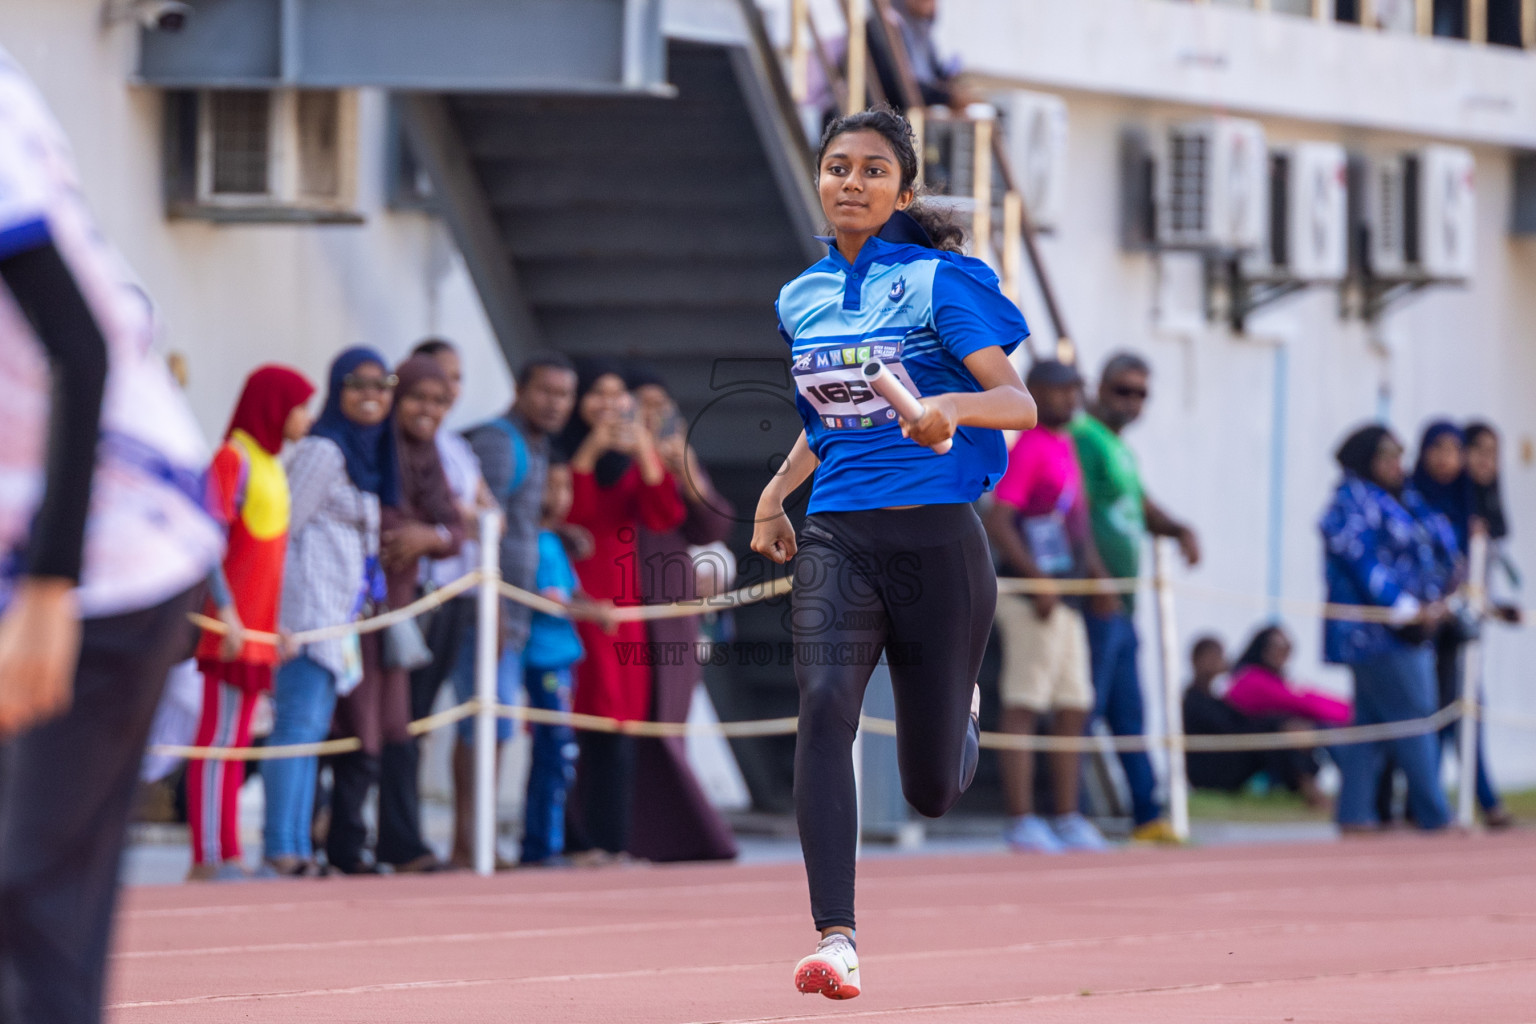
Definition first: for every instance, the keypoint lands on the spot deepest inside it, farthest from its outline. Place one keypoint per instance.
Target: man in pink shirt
(1038, 524)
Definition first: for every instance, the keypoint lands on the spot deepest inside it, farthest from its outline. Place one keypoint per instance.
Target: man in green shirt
(1122, 514)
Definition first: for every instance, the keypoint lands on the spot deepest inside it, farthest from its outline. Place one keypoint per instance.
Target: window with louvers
(1389, 220)
(253, 155)
(1190, 175)
(319, 145)
(241, 128)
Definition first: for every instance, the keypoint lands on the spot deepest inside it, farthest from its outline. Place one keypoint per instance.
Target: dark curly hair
(897, 131)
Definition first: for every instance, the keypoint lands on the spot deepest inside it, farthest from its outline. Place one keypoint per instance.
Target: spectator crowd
(375, 504)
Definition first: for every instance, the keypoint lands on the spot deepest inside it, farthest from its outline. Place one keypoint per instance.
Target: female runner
(891, 554)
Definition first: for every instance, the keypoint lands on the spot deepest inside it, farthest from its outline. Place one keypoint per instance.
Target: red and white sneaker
(833, 970)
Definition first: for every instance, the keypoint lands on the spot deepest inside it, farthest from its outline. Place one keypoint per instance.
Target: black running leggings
(917, 584)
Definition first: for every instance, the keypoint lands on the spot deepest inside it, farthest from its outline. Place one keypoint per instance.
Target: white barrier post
(488, 623)
(1471, 684)
(1173, 707)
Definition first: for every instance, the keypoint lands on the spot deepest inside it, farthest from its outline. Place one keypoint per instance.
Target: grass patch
(1280, 805)
(1274, 805)
(1522, 804)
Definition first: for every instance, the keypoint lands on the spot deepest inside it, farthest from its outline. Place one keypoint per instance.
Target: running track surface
(1395, 930)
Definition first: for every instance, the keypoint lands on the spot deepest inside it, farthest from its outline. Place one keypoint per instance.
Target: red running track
(1397, 930)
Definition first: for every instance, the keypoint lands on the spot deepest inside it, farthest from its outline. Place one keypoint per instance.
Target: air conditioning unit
(1213, 186)
(1307, 234)
(1448, 212)
(1036, 130)
(1423, 214)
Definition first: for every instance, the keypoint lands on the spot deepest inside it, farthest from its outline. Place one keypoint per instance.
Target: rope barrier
(738, 598)
(777, 587)
(1282, 740)
(1511, 719)
(764, 590)
(1068, 588)
(324, 748)
(441, 596)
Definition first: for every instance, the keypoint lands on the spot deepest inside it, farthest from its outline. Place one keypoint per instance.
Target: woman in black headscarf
(619, 484)
(1382, 548)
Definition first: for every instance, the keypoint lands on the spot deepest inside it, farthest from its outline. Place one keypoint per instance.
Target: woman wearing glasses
(338, 477)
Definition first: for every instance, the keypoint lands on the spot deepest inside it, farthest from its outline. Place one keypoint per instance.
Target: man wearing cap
(1039, 528)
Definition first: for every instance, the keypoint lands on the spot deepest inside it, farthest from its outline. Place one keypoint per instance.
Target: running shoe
(1031, 834)
(1078, 833)
(1159, 830)
(833, 970)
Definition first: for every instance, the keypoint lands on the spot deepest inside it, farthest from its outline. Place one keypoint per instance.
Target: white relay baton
(892, 390)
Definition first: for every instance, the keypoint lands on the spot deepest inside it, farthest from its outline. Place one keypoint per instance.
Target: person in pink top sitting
(1260, 689)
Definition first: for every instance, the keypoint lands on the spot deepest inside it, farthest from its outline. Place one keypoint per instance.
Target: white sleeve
(24, 170)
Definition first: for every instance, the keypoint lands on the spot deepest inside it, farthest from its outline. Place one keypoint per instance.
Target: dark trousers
(917, 586)
(1394, 686)
(66, 789)
(1448, 677)
(400, 840)
(352, 776)
(604, 794)
(1117, 699)
(1230, 771)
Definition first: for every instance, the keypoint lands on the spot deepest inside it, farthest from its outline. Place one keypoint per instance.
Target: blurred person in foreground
(104, 546)
(514, 454)
(1382, 547)
(1441, 477)
(400, 837)
(673, 818)
(1038, 525)
(1122, 514)
(249, 491)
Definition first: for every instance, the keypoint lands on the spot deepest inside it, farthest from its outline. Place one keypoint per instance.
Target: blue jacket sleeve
(1352, 531)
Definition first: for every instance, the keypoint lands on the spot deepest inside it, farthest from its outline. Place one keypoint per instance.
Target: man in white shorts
(1038, 524)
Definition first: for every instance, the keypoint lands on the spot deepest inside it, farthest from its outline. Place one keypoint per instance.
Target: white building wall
(1207, 439)
(232, 296)
(236, 295)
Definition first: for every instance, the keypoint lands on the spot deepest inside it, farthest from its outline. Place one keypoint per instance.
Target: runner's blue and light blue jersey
(921, 311)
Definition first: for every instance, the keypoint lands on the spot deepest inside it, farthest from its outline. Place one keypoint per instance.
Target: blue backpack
(519, 456)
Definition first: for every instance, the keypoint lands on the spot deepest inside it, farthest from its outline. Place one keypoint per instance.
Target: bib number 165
(837, 392)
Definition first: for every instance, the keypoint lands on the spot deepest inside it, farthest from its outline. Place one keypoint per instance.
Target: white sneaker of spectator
(1076, 832)
(1031, 834)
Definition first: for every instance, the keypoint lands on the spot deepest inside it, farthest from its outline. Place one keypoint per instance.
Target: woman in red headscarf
(249, 491)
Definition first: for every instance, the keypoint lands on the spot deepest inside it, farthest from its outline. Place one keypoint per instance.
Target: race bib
(1048, 543)
(828, 377)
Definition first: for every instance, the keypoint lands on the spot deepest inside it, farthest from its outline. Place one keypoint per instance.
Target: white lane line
(1479, 967)
(402, 986)
(1039, 880)
(568, 931)
(1088, 942)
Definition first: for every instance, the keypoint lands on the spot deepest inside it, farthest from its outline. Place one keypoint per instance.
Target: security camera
(162, 15)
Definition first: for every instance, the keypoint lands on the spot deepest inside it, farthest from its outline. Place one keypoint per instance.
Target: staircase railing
(992, 193)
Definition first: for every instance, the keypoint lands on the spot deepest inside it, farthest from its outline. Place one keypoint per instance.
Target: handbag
(404, 647)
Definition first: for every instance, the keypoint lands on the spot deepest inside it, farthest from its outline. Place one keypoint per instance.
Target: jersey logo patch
(898, 289)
